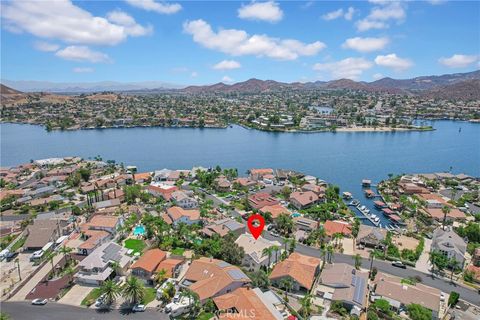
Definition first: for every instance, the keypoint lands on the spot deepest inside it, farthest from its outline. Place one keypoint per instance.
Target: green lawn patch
(91, 297)
(205, 316)
(178, 251)
(150, 294)
(20, 242)
(135, 244)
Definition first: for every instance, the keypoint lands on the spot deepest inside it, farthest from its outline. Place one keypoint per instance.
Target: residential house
(172, 266)
(142, 177)
(210, 278)
(42, 232)
(318, 190)
(146, 266)
(184, 201)
(302, 200)
(176, 215)
(342, 282)
(254, 257)
(261, 199)
(453, 214)
(400, 294)
(275, 210)
(223, 227)
(161, 175)
(301, 269)
(161, 190)
(333, 227)
(245, 182)
(222, 184)
(305, 224)
(96, 267)
(449, 244)
(371, 236)
(246, 303)
(258, 174)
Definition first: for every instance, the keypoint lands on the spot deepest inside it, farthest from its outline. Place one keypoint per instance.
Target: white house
(254, 257)
(182, 200)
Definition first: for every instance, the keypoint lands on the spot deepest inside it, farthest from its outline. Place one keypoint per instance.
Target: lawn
(205, 316)
(135, 244)
(178, 251)
(91, 297)
(150, 294)
(20, 242)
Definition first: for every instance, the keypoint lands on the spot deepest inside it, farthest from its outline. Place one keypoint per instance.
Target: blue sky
(200, 42)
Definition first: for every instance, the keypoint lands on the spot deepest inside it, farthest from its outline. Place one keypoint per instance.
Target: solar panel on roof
(358, 295)
(223, 264)
(236, 274)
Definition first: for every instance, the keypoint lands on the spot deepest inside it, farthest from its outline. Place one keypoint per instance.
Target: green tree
(260, 279)
(50, 257)
(418, 312)
(306, 303)
(358, 261)
(268, 252)
(438, 260)
(133, 290)
(111, 291)
(453, 298)
(66, 251)
(285, 224)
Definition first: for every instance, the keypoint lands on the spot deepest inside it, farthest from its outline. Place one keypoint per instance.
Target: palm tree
(268, 252)
(454, 265)
(446, 210)
(330, 253)
(285, 224)
(70, 272)
(306, 303)
(160, 276)
(50, 257)
(115, 265)
(193, 301)
(358, 261)
(66, 251)
(276, 249)
(286, 284)
(133, 290)
(111, 291)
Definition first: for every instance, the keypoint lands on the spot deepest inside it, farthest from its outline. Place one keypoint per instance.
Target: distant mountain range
(454, 86)
(85, 87)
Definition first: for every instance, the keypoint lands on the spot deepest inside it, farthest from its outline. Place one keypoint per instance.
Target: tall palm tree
(50, 257)
(286, 284)
(454, 265)
(268, 252)
(160, 276)
(446, 210)
(133, 290)
(276, 249)
(70, 272)
(306, 303)
(66, 251)
(115, 265)
(358, 261)
(111, 291)
(330, 253)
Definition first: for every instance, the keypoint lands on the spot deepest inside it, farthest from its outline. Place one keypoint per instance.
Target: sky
(199, 42)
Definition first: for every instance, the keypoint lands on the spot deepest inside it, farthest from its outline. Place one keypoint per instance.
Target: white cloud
(380, 14)
(458, 61)
(46, 46)
(151, 5)
(393, 62)
(347, 14)
(131, 27)
(266, 11)
(82, 53)
(227, 65)
(349, 68)
(83, 70)
(378, 76)
(63, 20)
(227, 79)
(238, 42)
(194, 74)
(437, 2)
(366, 44)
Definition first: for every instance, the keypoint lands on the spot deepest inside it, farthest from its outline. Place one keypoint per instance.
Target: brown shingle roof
(299, 267)
(150, 260)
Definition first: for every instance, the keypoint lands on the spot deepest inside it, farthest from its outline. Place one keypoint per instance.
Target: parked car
(399, 264)
(10, 256)
(39, 302)
(138, 308)
(176, 298)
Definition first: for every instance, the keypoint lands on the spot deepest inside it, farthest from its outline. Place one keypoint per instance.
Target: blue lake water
(340, 158)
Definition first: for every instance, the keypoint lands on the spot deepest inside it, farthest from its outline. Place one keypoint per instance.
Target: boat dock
(365, 212)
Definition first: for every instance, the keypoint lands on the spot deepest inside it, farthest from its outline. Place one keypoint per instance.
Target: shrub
(453, 299)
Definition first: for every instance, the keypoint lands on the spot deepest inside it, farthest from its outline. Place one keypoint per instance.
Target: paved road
(57, 311)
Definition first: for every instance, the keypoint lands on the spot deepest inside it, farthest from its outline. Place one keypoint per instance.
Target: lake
(341, 158)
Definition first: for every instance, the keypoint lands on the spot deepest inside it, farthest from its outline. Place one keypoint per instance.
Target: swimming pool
(295, 215)
(139, 230)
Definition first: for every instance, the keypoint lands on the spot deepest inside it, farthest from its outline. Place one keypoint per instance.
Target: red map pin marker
(256, 228)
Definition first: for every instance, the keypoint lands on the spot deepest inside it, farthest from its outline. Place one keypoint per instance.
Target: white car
(39, 302)
(138, 308)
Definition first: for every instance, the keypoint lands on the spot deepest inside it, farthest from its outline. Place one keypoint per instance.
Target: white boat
(362, 208)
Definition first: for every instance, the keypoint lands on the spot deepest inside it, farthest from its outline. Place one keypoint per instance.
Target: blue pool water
(139, 230)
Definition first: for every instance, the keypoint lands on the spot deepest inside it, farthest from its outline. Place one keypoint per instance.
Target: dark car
(399, 264)
(10, 256)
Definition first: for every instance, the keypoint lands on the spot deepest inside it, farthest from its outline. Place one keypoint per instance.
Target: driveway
(75, 296)
(423, 265)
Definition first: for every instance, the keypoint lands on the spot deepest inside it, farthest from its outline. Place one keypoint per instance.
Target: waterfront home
(305, 224)
(223, 227)
(245, 182)
(145, 267)
(450, 244)
(412, 188)
(184, 201)
(275, 210)
(261, 199)
(258, 174)
(96, 267)
(342, 282)
(222, 184)
(42, 232)
(210, 278)
(302, 200)
(253, 248)
(161, 175)
(371, 236)
(246, 303)
(301, 269)
(176, 215)
(400, 294)
(337, 227)
(453, 214)
(318, 190)
(143, 177)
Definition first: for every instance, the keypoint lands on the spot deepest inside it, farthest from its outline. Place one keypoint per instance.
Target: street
(56, 311)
